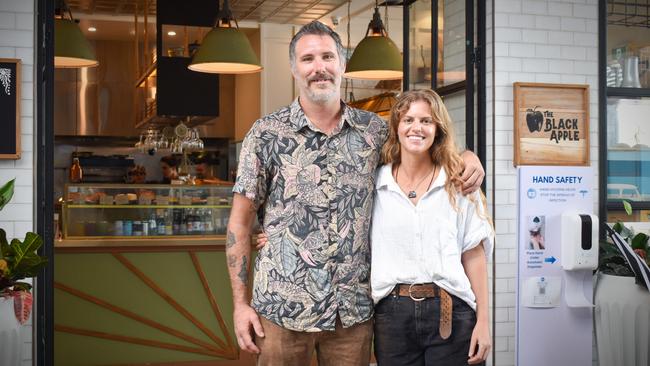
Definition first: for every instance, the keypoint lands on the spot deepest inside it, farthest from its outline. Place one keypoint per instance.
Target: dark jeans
(406, 332)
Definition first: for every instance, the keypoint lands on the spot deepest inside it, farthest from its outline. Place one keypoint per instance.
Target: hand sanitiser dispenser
(579, 240)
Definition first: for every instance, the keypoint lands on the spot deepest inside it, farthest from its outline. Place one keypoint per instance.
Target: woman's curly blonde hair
(444, 151)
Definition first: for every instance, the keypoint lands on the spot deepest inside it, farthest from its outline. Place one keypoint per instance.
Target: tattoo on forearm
(232, 261)
(230, 240)
(243, 272)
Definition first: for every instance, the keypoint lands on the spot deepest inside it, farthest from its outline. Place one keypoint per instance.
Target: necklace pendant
(412, 194)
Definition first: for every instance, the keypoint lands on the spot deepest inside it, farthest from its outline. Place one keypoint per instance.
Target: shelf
(628, 92)
(148, 186)
(150, 71)
(142, 243)
(149, 206)
(170, 120)
(636, 205)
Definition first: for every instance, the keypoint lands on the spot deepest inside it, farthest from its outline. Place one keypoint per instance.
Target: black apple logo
(534, 119)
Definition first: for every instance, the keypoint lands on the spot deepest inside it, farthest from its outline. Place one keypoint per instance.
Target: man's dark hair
(319, 29)
(170, 160)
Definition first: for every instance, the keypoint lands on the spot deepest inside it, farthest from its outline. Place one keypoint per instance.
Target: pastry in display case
(146, 210)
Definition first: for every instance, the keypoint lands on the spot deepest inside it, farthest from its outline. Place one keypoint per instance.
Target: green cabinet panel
(136, 308)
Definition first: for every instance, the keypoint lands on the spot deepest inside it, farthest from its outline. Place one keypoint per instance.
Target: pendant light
(225, 49)
(71, 49)
(376, 57)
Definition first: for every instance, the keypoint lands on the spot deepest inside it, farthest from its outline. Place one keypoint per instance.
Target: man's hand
(246, 318)
(480, 344)
(473, 173)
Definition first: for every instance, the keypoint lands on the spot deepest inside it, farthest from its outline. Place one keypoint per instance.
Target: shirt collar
(299, 120)
(385, 178)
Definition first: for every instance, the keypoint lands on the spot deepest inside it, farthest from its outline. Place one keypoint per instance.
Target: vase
(622, 320)
(631, 73)
(10, 337)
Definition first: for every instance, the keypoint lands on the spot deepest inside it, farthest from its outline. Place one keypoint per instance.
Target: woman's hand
(262, 239)
(480, 344)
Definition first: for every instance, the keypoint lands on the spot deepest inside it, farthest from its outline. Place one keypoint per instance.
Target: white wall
(534, 41)
(17, 41)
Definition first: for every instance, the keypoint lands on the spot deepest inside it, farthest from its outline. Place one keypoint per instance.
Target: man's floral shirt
(314, 193)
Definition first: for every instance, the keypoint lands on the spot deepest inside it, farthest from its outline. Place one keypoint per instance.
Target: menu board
(9, 108)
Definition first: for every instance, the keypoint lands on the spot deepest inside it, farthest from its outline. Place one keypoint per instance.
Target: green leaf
(640, 241)
(22, 286)
(4, 245)
(618, 227)
(6, 192)
(628, 207)
(28, 247)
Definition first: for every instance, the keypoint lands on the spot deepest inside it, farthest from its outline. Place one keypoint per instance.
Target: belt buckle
(411, 295)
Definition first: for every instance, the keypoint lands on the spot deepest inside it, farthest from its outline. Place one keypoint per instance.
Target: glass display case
(145, 211)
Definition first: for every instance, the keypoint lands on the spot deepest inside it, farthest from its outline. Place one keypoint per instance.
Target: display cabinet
(94, 211)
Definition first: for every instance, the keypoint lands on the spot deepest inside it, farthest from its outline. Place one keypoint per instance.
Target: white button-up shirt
(423, 243)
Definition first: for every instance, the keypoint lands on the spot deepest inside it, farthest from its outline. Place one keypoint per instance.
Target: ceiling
(262, 11)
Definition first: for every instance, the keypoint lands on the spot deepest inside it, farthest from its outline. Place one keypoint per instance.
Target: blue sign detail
(584, 192)
(532, 193)
(550, 259)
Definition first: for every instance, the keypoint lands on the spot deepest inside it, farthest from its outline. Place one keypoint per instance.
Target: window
(625, 146)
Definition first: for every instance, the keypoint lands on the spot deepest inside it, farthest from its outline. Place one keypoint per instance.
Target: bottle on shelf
(153, 224)
(76, 173)
(182, 222)
(208, 223)
(168, 223)
(160, 222)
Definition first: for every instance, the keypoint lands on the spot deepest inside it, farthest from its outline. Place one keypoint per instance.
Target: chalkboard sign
(9, 108)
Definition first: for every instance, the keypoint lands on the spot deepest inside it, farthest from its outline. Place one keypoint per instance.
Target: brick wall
(17, 41)
(534, 41)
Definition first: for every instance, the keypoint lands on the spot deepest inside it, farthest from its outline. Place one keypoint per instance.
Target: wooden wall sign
(9, 108)
(551, 124)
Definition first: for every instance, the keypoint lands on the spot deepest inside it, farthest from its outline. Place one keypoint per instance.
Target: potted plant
(622, 304)
(18, 260)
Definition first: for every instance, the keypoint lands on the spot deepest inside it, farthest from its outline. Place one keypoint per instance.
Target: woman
(429, 245)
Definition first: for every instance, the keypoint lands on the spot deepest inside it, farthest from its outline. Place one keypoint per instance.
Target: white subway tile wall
(17, 41)
(534, 41)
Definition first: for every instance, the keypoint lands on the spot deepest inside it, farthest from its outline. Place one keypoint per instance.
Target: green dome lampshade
(225, 51)
(375, 58)
(71, 49)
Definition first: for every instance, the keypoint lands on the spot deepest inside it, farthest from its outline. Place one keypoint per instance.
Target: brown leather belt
(419, 292)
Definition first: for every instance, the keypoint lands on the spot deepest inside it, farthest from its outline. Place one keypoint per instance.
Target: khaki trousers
(341, 347)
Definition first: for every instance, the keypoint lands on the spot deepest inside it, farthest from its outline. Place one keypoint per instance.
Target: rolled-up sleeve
(477, 226)
(251, 171)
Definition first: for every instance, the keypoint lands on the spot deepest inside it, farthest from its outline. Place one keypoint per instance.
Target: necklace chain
(412, 193)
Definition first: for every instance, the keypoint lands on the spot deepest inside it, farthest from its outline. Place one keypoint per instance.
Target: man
(309, 169)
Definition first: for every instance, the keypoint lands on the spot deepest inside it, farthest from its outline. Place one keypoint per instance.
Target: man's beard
(322, 96)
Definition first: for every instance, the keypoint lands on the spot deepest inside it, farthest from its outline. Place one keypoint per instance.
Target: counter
(143, 299)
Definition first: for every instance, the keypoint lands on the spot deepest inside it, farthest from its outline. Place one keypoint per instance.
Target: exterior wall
(454, 61)
(17, 41)
(534, 41)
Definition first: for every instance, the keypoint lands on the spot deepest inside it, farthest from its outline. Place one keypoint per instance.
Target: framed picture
(9, 108)
(551, 124)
